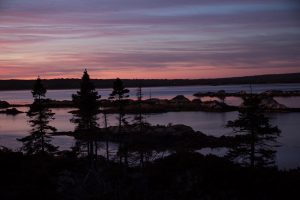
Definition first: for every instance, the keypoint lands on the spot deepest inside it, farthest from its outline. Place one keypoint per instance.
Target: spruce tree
(39, 140)
(86, 100)
(38, 91)
(119, 95)
(259, 136)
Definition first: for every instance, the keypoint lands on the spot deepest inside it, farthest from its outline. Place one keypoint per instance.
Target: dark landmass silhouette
(107, 83)
(183, 175)
(138, 160)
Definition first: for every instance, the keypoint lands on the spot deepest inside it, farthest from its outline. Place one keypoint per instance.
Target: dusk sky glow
(148, 39)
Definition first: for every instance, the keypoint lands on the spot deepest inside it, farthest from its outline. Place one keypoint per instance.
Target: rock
(179, 130)
(213, 105)
(196, 101)
(171, 130)
(11, 111)
(270, 103)
(155, 101)
(180, 99)
(4, 104)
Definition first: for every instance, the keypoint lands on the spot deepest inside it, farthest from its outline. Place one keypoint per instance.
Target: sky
(148, 38)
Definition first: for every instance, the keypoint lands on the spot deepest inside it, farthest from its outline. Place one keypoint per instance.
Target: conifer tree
(38, 91)
(86, 100)
(260, 136)
(139, 119)
(40, 115)
(119, 94)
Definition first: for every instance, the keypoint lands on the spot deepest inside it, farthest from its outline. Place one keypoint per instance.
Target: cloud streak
(178, 38)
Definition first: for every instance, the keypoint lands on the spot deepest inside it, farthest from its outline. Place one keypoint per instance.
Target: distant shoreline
(59, 84)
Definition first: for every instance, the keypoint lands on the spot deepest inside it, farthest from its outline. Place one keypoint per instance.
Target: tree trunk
(252, 157)
(142, 158)
(107, 146)
(43, 143)
(107, 150)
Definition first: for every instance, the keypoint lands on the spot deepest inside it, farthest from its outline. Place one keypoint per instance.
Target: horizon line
(273, 74)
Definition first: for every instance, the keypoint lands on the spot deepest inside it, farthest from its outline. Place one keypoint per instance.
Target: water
(24, 96)
(12, 127)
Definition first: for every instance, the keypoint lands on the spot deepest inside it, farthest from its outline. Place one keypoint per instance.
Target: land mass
(176, 104)
(107, 83)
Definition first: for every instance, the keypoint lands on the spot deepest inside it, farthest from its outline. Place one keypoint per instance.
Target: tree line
(107, 83)
(256, 148)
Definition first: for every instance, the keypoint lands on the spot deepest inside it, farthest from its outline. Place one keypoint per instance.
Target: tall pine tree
(39, 140)
(86, 100)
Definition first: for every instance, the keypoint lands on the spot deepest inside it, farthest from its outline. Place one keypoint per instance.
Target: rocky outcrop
(196, 101)
(156, 130)
(4, 104)
(11, 111)
(155, 101)
(173, 130)
(269, 103)
(180, 99)
(216, 106)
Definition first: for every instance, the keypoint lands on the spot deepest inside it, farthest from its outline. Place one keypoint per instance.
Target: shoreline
(177, 104)
(291, 78)
(155, 86)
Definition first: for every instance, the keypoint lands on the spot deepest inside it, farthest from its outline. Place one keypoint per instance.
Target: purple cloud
(57, 36)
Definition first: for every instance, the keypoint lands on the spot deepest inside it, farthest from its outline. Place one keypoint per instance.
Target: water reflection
(13, 127)
(291, 102)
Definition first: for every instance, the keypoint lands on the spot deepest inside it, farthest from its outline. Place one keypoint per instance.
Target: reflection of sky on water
(13, 127)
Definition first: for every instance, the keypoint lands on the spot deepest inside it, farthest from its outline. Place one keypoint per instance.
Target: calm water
(24, 96)
(12, 127)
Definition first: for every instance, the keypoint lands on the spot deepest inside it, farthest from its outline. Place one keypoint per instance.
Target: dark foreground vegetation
(107, 83)
(147, 162)
(179, 176)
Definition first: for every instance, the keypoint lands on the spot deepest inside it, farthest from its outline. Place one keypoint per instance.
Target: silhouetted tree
(86, 100)
(106, 132)
(139, 119)
(259, 136)
(38, 90)
(140, 122)
(119, 94)
(40, 115)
